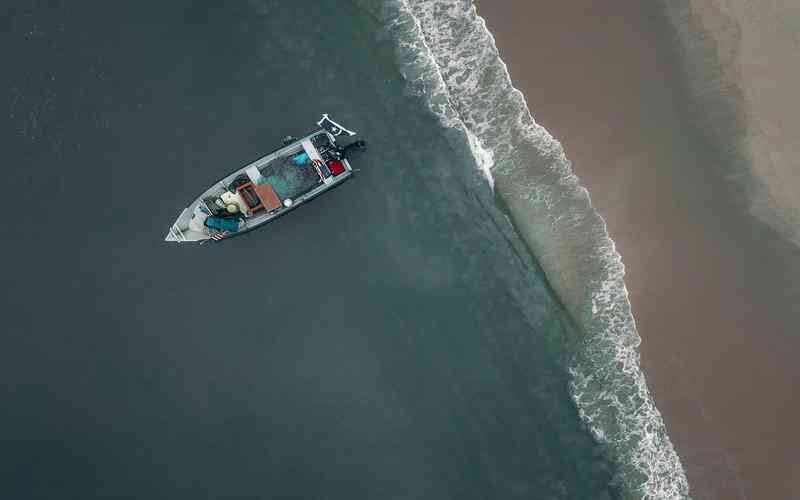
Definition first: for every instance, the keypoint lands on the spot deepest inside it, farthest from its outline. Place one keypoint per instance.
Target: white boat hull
(261, 176)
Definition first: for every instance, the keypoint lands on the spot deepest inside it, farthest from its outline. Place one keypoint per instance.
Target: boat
(269, 187)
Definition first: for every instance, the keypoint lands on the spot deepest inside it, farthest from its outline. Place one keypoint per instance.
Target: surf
(447, 55)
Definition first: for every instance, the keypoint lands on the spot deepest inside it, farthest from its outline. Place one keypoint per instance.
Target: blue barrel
(300, 159)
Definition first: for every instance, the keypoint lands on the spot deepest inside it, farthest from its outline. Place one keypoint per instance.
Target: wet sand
(714, 292)
(740, 59)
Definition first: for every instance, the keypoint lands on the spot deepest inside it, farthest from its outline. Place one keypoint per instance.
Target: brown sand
(715, 293)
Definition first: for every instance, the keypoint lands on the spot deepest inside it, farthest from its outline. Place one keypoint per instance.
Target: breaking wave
(445, 52)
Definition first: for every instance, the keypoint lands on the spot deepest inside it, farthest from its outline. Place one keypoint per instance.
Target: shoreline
(551, 212)
(602, 80)
(742, 100)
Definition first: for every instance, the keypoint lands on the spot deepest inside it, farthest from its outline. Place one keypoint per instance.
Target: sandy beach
(713, 288)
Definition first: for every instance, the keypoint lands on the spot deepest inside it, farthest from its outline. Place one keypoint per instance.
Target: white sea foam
(447, 54)
(483, 157)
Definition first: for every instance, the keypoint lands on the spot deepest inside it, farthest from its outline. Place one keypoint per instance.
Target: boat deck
(288, 179)
(262, 190)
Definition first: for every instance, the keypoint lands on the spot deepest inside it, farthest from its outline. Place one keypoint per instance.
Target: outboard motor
(344, 151)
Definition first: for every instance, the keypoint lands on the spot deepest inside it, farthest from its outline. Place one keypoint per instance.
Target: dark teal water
(392, 339)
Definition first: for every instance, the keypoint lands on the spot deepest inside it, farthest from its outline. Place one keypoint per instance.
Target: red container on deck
(336, 167)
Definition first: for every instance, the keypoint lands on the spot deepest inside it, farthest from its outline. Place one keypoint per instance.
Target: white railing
(176, 233)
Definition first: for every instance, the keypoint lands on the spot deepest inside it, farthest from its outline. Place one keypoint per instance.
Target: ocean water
(452, 323)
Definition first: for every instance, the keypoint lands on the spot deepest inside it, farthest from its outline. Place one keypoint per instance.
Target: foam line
(448, 55)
